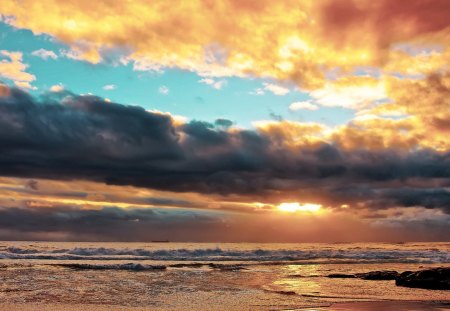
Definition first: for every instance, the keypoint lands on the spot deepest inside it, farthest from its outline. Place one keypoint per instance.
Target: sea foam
(223, 254)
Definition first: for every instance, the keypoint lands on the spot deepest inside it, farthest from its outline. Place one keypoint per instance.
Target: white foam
(127, 266)
(220, 254)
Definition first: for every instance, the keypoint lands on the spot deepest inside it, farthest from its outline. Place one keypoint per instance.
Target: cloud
(5, 91)
(224, 123)
(386, 60)
(258, 91)
(32, 184)
(352, 93)
(57, 88)
(111, 224)
(163, 90)
(275, 89)
(81, 52)
(144, 65)
(411, 197)
(69, 223)
(303, 105)
(45, 54)
(109, 87)
(415, 114)
(214, 83)
(318, 37)
(14, 70)
(84, 138)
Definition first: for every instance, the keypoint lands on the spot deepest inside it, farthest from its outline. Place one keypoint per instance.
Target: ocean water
(229, 276)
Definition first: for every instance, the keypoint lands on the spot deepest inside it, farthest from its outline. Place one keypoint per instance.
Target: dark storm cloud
(65, 136)
(114, 224)
(65, 131)
(381, 197)
(224, 123)
(428, 198)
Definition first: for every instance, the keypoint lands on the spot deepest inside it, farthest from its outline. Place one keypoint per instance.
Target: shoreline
(92, 277)
(387, 305)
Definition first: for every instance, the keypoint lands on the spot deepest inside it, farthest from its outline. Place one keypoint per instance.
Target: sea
(212, 276)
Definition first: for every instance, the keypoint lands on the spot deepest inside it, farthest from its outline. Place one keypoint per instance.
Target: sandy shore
(388, 306)
(361, 306)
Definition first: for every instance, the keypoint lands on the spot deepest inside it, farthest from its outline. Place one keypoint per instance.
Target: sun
(297, 207)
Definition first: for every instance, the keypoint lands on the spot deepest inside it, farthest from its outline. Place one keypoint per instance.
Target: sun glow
(297, 207)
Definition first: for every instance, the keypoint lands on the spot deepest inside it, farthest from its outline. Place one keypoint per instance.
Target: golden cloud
(357, 92)
(300, 41)
(13, 69)
(416, 116)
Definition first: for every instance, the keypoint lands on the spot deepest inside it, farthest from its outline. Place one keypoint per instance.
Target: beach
(225, 155)
(363, 306)
(196, 276)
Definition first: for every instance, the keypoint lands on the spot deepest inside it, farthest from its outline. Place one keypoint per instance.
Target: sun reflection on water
(301, 279)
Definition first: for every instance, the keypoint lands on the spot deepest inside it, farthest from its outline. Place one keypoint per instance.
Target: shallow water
(358, 252)
(221, 276)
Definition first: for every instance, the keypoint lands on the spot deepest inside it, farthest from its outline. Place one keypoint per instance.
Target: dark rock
(285, 292)
(373, 275)
(226, 267)
(341, 276)
(437, 278)
(378, 275)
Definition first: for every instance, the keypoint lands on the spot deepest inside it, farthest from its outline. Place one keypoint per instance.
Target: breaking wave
(127, 266)
(326, 254)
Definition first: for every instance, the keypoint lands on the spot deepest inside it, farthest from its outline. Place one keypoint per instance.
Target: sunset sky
(227, 120)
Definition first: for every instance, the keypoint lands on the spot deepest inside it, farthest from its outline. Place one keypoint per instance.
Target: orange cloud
(15, 70)
(425, 104)
(350, 92)
(402, 109)
(4, 90)
(288, 40)
(288, 134)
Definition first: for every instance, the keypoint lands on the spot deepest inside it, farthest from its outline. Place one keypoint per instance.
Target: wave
(127, 266)
(219, 254)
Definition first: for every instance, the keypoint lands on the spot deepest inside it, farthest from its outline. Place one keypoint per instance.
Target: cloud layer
(66, 136)
(301, 41)
(68, 223)
(385, 61)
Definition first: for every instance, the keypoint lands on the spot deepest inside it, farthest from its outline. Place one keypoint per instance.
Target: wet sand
(32, 278)
(361, 306)
(387, 306)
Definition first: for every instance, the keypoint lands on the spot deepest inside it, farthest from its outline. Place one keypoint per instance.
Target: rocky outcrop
(372, 275)
(223, 267)
(378, 275)
(437, 278)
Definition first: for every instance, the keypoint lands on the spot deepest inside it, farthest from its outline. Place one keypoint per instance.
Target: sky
(225, 121)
